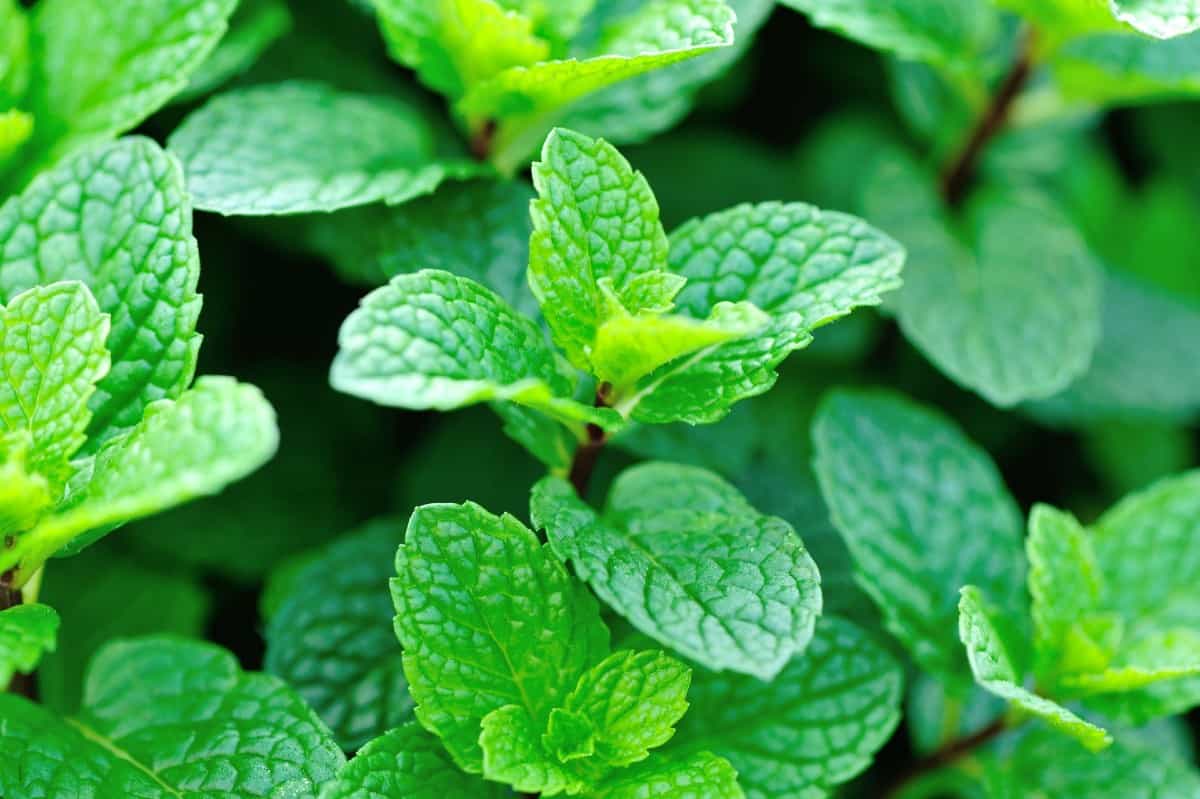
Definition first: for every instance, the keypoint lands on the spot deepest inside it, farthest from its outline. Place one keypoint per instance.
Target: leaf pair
(506, 658)
(750, 283)
(512, 68)
(1108, 628)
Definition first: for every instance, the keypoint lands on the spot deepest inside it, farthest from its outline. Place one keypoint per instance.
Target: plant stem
(948, 754)
(22, 684)
(482, 141)
(588, 452)
(957, 177)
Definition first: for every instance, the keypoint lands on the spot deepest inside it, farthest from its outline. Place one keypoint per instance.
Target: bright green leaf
(487, 618)
(52, 354)
(989, 650)
(923, 511)
(513, 753)
(299, 147)
(132, 244)
(102, 68)
(411, 763)
(702, 775)
(165, 718)
(27, 632)
(24, 494)
(595, 219)
(1124, 68)
(254, 26)
(331, 637)
(14, 53)
(216, 433)
(436, 340)
(815, 726)
(714, 580)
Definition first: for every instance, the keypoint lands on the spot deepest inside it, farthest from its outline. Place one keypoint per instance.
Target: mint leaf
(714, 580)
(27, 632)
(331, 639)
(816, 725)
(595, 219)
(14, 53)
(943, 32)
(514, 753)
(702, 775)
(656, 35)
(805, 267)
(637, 108)
(254, 26)
(300, 146)
(24, 494)
(455, 44)
(101, 69)
(435, 340)
(1064, 581)
(1162, 19)
(1120, 68)
(163, 717)
(132, 244)
(102, 596)
(884, 465)
(51, 356)
(960, 304)
(407, 762)
(631, 701)
(460, 569)
(1046, 764)
(990, 652)
(216, 433)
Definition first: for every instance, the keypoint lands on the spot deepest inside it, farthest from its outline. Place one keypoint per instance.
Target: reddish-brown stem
(22, 684)
(481, 142)
(588, 452)
(948, 754)
(957, 177)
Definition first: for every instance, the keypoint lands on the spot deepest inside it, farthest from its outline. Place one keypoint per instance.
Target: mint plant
(668, 482)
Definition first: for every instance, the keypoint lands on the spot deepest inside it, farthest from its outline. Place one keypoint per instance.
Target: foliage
(695, 464)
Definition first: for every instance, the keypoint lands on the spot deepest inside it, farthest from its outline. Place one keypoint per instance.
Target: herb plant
(839, 443)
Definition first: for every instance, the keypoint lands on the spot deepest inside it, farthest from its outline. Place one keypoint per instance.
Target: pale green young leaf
(217, 432)
(1044, 763)
(27, 632)
(25, 495)
(407, 762)
(595, 218)
(103, 67)
(963, 306)
(15, 129)
(817, 725)
(990, 653)
(947, 32)
(436, 340)
(513, 753)
(1162, 19)
(455, 44)
(487, 618)
(299, 146)
(633, 701)
(569, 736)
(1064, 582)
(52, 354)
(131, 243)
(923, 511)
(527, 98)
(331, 638)
(724, 585)
(254, 26)
(805, 267)
(701, 775)
(629, 347)
(164, 718)
(636, 109)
